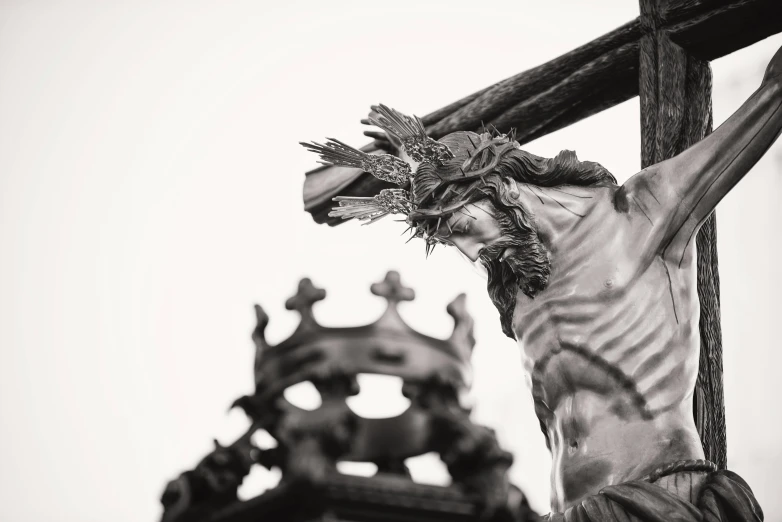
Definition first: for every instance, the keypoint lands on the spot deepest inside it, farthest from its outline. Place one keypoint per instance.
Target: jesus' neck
(556, 210)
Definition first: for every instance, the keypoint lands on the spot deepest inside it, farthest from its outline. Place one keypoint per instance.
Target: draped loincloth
(687, 491)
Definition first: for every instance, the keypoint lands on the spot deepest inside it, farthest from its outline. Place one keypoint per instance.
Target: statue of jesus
(597, 283)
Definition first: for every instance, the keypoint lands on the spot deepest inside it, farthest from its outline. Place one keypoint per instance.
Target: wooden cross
(663, 57)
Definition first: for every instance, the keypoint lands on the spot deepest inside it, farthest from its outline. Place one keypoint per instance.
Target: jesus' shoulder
(671, 199)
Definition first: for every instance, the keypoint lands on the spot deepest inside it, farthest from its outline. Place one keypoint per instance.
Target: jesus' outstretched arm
(678, 194)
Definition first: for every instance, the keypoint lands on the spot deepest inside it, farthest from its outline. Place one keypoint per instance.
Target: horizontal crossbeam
(567, 89)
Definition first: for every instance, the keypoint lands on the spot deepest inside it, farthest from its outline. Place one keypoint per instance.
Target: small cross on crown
(306, 296)
(392, 289)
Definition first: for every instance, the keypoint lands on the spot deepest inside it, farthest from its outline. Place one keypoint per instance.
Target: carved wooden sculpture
(597, 282)
(662, 56)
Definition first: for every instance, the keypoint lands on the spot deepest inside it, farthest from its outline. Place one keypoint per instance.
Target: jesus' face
(480, 231)
(514, 257)
(474, 231)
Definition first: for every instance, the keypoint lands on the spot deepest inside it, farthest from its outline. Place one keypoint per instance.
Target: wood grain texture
(576, 85)
(676, 112)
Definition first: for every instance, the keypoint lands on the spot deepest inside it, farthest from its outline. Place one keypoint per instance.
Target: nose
(471, 249)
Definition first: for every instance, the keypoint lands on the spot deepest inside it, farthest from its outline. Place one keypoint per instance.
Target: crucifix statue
(607, 288)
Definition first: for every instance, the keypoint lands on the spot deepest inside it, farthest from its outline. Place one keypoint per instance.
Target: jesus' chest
(601, 295)
(605, 313)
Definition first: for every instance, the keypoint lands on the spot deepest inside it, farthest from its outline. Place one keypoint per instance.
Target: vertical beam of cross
(675, 96)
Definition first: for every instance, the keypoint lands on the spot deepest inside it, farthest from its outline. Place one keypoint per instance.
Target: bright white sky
(150, 193)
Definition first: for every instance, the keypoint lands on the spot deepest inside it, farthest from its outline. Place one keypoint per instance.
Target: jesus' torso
(611, 346)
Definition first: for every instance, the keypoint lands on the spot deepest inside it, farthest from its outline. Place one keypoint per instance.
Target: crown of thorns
(450, 167)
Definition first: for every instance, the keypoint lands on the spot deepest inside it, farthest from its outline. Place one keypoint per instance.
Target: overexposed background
(150, 193)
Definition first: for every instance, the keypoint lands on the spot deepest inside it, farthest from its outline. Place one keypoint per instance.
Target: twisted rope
(680, 466)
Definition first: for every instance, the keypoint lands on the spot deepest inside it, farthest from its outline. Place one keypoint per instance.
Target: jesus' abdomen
(611, 347)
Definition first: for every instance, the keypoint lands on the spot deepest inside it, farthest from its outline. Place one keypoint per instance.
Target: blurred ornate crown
(386, 346)
(434, 371)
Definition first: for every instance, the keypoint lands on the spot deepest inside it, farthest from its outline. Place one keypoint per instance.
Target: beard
(527, 268)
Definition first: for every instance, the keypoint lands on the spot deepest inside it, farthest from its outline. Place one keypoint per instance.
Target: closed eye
(462, 226)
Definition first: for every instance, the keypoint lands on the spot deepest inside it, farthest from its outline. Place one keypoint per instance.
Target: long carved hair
(529, 271)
